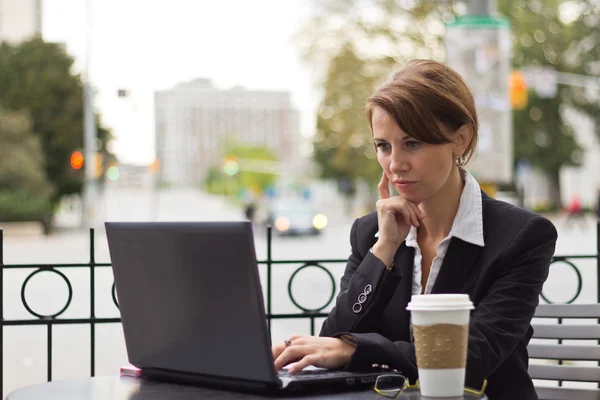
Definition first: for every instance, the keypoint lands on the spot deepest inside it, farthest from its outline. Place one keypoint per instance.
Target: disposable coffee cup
(441, 332)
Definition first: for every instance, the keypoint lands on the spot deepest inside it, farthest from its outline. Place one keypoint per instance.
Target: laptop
(192, 308)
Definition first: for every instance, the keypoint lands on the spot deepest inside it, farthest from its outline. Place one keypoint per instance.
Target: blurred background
(162, 110)
(260, 101)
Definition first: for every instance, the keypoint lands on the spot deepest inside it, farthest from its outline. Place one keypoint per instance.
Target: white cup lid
(440, 302)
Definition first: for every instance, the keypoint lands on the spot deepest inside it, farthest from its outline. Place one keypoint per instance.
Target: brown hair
(424, 98)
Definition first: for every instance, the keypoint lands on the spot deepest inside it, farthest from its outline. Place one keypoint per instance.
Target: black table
(128, 388)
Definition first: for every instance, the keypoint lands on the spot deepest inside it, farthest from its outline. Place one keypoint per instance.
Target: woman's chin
(412, 197)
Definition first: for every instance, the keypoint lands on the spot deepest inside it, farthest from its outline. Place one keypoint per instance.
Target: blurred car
(295, 218)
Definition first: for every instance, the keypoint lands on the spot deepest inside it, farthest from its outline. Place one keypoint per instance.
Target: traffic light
(231, 165)
(76, 160)
(112, 172)
(154, 166)
(517, 90)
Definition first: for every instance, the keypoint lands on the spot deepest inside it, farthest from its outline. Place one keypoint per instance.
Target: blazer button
(368, 289)
(357, 307)
(362, 298)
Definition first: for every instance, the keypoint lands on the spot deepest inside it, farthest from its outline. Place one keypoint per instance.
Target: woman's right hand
(395, 216)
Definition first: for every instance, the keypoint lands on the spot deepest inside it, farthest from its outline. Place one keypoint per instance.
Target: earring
(461, 160)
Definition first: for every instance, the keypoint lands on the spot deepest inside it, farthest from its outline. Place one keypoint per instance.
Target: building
(193, 119)
(20, 20)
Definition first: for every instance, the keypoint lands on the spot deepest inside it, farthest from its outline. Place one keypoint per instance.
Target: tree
(354, 46)
(382, 35)
(25, 193)
(256, 180)
(36, 77)
(243, 175)
(544, 36)
(343, 147)
(396, 29)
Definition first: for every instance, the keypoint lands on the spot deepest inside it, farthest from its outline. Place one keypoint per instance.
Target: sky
(148, 45)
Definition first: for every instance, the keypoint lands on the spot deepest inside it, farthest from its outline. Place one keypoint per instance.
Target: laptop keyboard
(312, 374)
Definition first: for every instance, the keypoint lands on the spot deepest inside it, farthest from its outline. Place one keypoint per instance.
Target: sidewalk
(22, 228)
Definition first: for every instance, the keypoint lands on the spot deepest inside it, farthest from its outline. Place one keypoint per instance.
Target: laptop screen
(190, 298)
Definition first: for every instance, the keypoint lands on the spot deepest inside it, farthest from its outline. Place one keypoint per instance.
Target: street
(25, 347)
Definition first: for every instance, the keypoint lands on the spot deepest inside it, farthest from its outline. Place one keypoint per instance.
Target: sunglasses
(392, 386)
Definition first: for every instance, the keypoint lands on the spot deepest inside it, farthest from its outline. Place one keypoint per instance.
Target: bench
(590, 331)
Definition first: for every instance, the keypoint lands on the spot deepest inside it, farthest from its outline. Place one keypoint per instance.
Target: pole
(484, 63)
(89, 129)
(481, 8)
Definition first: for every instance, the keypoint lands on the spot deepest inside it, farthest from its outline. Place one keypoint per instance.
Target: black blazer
(503, 279)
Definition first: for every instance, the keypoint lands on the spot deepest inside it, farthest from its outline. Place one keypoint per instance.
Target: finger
(278, 349)
(285, 362)
(414, 221)
(407, 212)
(285, 358)
(417, 210)
(292, 354)
(295, 336)
(305, 362)
(400, 209)
(383, 187)
(421, 213)
(414, 215)
(404, 213)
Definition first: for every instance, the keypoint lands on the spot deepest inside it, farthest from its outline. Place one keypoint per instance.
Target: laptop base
(215, 382)
(324, 382)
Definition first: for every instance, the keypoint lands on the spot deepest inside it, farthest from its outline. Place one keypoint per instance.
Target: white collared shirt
(467, 225)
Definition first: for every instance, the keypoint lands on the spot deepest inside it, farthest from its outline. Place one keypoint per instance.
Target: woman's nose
(399, 164)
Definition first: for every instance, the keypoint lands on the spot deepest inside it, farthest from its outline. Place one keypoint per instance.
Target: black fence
(304, 313)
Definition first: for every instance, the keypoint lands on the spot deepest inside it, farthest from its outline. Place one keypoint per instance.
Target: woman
(440, 234)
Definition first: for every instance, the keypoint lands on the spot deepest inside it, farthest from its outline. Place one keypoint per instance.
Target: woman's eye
(382, 146)
(413, 144)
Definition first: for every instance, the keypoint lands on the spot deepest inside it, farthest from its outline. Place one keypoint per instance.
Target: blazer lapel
(404, 260)
(403, 265)
(457, 266)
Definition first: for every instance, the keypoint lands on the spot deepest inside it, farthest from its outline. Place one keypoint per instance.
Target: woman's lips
(403, 185)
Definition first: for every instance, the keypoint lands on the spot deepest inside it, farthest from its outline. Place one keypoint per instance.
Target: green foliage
(25, 193)
(36, 77)
(257, 171)
(543, 38)
(215, 180)
(355, 46)
(250, 179)
(343, 146)
(396, 29)
(561, 34)
(535, 140)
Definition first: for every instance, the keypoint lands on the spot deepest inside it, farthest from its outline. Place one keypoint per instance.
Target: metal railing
(304, 313)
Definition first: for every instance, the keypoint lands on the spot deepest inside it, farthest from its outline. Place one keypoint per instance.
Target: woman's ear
(463, 138)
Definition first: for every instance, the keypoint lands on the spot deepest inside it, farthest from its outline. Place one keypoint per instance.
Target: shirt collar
(468, 222)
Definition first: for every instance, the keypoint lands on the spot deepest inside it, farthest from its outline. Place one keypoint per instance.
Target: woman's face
(417, 170)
